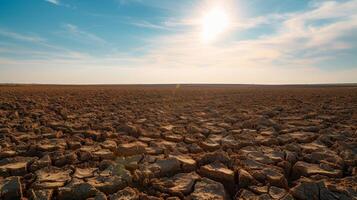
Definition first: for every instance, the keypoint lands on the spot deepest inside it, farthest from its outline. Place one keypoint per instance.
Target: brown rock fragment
(168, 166)
(130, 129)
(109, 144)
(93, 135)
(84, 172)
(245, 179)
(277, 193)
(187, 163)
(131, 149)
(307, 169)
(179, 185)
(127, 193)
(51, 177)
(218, 172)
(41, 194)
(108, 185)
(79, 191)
(45, 161)
(209, 145)
(208, 189)
(14, 169)
(10, 188)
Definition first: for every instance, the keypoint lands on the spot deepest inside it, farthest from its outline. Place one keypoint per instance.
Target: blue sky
(156, 41)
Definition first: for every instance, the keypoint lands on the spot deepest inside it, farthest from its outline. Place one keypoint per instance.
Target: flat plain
(149, 142)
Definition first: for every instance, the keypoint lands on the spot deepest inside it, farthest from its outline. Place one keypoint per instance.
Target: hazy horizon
(170, 42)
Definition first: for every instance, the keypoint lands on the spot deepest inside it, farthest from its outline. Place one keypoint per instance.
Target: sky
(170, 41)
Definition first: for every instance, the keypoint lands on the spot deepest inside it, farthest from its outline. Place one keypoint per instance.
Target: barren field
(209, 142)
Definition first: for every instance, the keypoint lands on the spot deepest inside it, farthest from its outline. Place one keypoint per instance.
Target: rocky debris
(179, 185)
(84, 172)
(173, 137)
(327, 157)
(52, 135)
(130, 162)
(248, 195)
(93, 135)
(49, 146)
(121, 142)
(109, 144)
(303, 137)
(85, 152)
(130, 129)
(264, 173)
(7, 153)
(16, 166)
(218, 172)
(103, 154)
(266, 140)
(259, 189)
(127, 193)
(187, 163)
(277, 193)
(156, 168)
(98, 196)
(245, 195)
(45, 161)
(208, 189)
(165, 145)
(118, 170)
(45, 194)
(131, 149)
(260, 157)
(14, 169)
(10, 188)
(51, 177)
(195, 148)
(73, 145)
(307, 169)
(107, 184)
(309, 189)
(217, 156)
(275, 177)
(264, 194)
(245, 179)
(209, 145)
(311, 147)
(165, 167)
(167, 127)
(66, 158)
(79, 191)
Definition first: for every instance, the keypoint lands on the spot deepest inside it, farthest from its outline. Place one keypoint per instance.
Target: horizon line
(182, 84)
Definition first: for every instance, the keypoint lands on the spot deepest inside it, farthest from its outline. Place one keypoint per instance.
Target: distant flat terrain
(182, 141)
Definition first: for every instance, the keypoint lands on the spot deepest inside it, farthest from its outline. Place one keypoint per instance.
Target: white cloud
(125, 2)
(295, 35)
(146, 24)
(56, 2)
(35, 40)
(81, 35)
(18, 36)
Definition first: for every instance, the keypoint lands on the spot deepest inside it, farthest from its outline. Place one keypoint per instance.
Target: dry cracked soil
(199, 142)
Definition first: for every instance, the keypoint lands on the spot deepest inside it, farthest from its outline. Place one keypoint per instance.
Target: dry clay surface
(166, 142)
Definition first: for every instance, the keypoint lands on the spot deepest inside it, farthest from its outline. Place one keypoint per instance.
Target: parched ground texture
(209, 142)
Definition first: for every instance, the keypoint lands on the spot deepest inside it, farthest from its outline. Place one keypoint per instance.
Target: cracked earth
(208, 142)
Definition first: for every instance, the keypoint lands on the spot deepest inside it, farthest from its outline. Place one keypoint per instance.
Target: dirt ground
(209, 142)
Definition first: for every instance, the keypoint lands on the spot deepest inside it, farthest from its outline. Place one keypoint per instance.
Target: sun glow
(214, 23)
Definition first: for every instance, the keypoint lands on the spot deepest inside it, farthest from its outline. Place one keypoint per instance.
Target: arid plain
(213, 142)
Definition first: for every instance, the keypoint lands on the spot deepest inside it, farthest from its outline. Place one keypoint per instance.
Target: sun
(214, 22)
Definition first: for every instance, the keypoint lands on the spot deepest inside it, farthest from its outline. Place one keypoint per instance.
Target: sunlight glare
(214, 22)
